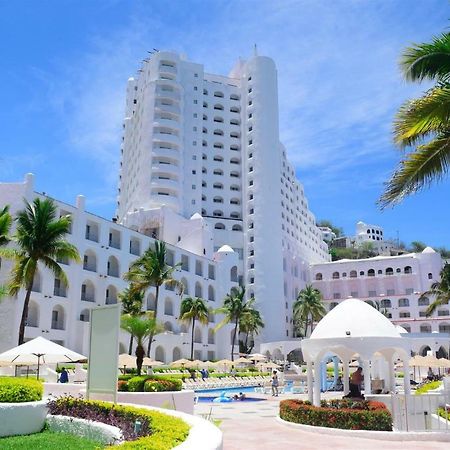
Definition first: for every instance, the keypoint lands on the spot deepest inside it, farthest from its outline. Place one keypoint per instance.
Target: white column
(346, 374)
(367, 381)
(406, 378)
(317, 379)
(309, 378)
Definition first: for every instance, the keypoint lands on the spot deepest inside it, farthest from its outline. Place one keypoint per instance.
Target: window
(403, 303)
(404, 314)
(319, 276)
(336, 295)
(424, 301)
(430, 276)
(335, 275)
(353, 274)
(371, 273)
(218, 94)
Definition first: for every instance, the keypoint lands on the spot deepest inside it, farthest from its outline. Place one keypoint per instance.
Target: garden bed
(342, 414)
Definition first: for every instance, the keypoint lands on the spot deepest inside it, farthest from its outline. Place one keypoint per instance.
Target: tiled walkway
(251, 426)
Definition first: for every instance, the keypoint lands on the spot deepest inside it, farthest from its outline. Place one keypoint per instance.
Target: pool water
(204, 399)
(235, 390)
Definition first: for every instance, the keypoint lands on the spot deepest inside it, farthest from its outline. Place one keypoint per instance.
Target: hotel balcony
(166, 137)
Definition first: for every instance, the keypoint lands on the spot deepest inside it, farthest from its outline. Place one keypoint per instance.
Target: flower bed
(148, 383)
(158, 431)
(344, 414)
(20, 390)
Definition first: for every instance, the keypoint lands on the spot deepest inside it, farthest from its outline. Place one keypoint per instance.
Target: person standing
(355, 383)
(64, 376)
(275, 384)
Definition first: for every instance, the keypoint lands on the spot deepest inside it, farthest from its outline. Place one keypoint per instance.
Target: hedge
(19, 390)
(158, 431)
(343, 414)
(431, 386)
(150, 383)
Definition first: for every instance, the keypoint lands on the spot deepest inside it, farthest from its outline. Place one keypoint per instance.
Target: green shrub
(136, 384)
(156, 383)
(122, 386)
(19, 390)
(345, 414)
(428, 387)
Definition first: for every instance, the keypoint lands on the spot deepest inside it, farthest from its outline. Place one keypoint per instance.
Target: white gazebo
(354, 329)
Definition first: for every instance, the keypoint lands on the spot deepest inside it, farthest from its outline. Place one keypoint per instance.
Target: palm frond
(430, 162)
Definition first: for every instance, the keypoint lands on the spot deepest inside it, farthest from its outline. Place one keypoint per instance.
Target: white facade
(208, 145)
(373, 234)
(396, 282)
(107, 249)
(328, 235)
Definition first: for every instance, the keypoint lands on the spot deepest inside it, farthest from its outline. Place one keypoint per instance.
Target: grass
(48, 440)
(428, 387)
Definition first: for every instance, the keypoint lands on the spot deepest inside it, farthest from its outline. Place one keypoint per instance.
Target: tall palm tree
(141, 327)
(192, 310)
(250, 324)
(308, 308)
(377, 305)
(235, 308)
(440, 290)
(39, 238)
(152, 270)
(131, 304)
(424, 123)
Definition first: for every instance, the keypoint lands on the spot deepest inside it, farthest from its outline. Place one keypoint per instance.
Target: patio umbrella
(268, 365)
(257, 357)
(180, 362)
(242, 360)
(126, 360)
(224, 362)
(151, 362)
(444, 362)
(39, 351)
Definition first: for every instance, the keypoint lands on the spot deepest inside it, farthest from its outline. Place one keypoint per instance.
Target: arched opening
(90, 261)
(389, 271)
(236, 228)
(111, 295)
(113, 267)
(88, 291)
(219, 226)
(318, 276)
(36, 287)
(403, 302)
(160, 354)
(85, 315)
(424, 301)
(151, 302)
(425, 328)
(371, 273)
(444, 328)
(442, 353)
(176, 354)
(211, 294)
(353, 274)
(198, 290)
(168, 327)
(168, 307)
(183, 328)
(211, 336)
(424, 350)
(185, 284)
(386, 303)
(58, 319)
(234, 274)
(408, 269)
(335, 275)
(33, 314)
(197, 335)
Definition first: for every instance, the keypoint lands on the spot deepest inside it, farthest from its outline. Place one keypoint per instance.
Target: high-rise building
(207, 146)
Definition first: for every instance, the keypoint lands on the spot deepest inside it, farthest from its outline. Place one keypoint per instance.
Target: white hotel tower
(207, 147)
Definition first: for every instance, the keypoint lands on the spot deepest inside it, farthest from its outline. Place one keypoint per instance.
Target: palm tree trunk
(192, 339)
(130, 347)
(140, 353)
(150, 339)
(234, 339)
(245, 342)
(23, 320)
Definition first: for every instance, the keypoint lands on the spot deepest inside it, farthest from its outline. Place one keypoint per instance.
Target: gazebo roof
(354, 318)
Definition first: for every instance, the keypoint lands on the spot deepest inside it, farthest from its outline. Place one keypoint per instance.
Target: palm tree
(308, 308)
(131, 304)
(5, 227)
(151, 270)
(440, 290)
(250, 324)
(235, 308)
(377, 305)
(141, 328)
(423, 123)
(40, 239)
(192, 310)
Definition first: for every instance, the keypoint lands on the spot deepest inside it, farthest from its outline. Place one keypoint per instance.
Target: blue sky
(65, 66)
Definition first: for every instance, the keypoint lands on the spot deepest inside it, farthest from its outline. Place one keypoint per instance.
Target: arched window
(353, 274)
(335, 275)
(58, 319)
(197, 335)
(168, 327)
(218, 185)
(211, 336)
(235, 215)
(151, 302)
(235, 201)
(408, 269)
(90, 261)
(218, 200)
(33, 314)
(218, 107)
(318, 277)
(430, 276)
(218, 213)
(219, 226)
(371, 273)
(234, 274)
(236, 228)
(218, 119)
(424, 301)
(389, 271)
(198, 290)
(218, 132)
(218, 94)
(403, 302)
(36, 287)
(425, 328)
(88, 291)
(85, 315)
(113, 267)
(111, 295)
(385, 303)
(183, 328)
(211, 294)
(185, 284)
(176, 354)
(168, 307)
(160, 354)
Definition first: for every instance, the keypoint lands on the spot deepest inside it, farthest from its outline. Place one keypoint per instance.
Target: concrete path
(251, 426)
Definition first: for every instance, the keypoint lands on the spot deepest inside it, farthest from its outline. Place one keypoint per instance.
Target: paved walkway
(251, 426)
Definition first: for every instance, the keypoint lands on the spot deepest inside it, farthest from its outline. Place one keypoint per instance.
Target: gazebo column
(316, 397)
(367, 380)
(309, 380)
(406, 377)
(346, 374)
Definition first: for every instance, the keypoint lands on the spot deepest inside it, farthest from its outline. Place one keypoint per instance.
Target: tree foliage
(307, 309)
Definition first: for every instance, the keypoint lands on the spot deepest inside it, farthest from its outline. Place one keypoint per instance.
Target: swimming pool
(205, 399)
(236, 390)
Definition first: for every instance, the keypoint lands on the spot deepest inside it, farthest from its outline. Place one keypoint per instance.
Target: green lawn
(48, 440)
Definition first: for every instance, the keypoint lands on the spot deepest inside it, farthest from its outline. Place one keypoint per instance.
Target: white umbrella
(257, 357)
(126, 360)
(39, 351)
(151, 362)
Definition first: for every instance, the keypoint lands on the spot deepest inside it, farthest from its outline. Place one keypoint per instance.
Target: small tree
(132, 300)
(440, 290)
(141, 327)
(5, 227)
(308, 308)
(250, 324)
(192, 310)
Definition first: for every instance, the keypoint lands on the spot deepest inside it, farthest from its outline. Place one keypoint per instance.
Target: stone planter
(22, 418)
